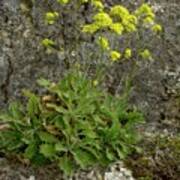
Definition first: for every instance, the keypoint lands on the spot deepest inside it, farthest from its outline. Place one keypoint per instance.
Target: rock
(117, 171)
(12, 5)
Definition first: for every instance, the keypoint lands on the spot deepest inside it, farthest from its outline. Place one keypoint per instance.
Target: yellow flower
(102, 19)
(145, 54)
(51, 17)
(62, 1)
(95, 83)
(151, 14)
(129, 27)
(117, 28)
(145, 9)
(103, 42)
(115, 55)
(157, 28)
(119, 11)
(47, 42)
(148, 20)
(84, 1)
(132, 19)
(90, 28)
(128, 53)
(98, 4)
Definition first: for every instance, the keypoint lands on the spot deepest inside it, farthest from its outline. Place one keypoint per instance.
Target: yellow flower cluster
(103, 43)
(51, 17)
(63, 1)
(117, 28)
(127, 20)
(47, 42)
(90, 28)
(95, 82)
(157, 28)
(147, 15)
(115, 55)
(145, 54)
(145, 11)
(128, 53)
(98, 4)
(119, 11)
(101, 20)
(119, 20)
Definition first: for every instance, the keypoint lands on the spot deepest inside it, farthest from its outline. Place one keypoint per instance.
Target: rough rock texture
(162, 89)
(23, 60)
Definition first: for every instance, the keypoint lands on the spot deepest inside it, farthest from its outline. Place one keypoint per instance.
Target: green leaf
(31, 150)
(93, 150)
(83, 158)
(112, 133)
(43, 82)
(59, 122)
(109, 154)
(66, 165)
(88, 142)
(59, 109)
(60, 147)
(47, 137)
(89, 133)
(120, 153)
(47, 150)
(98, 120)
(33, 103)
(15, 111)
(86, 129)
(139, 150)
(107, 112)
(11, 140)
(5, 117)
(39, 159)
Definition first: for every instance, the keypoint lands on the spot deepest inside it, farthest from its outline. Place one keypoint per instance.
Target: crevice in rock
(4, 86)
